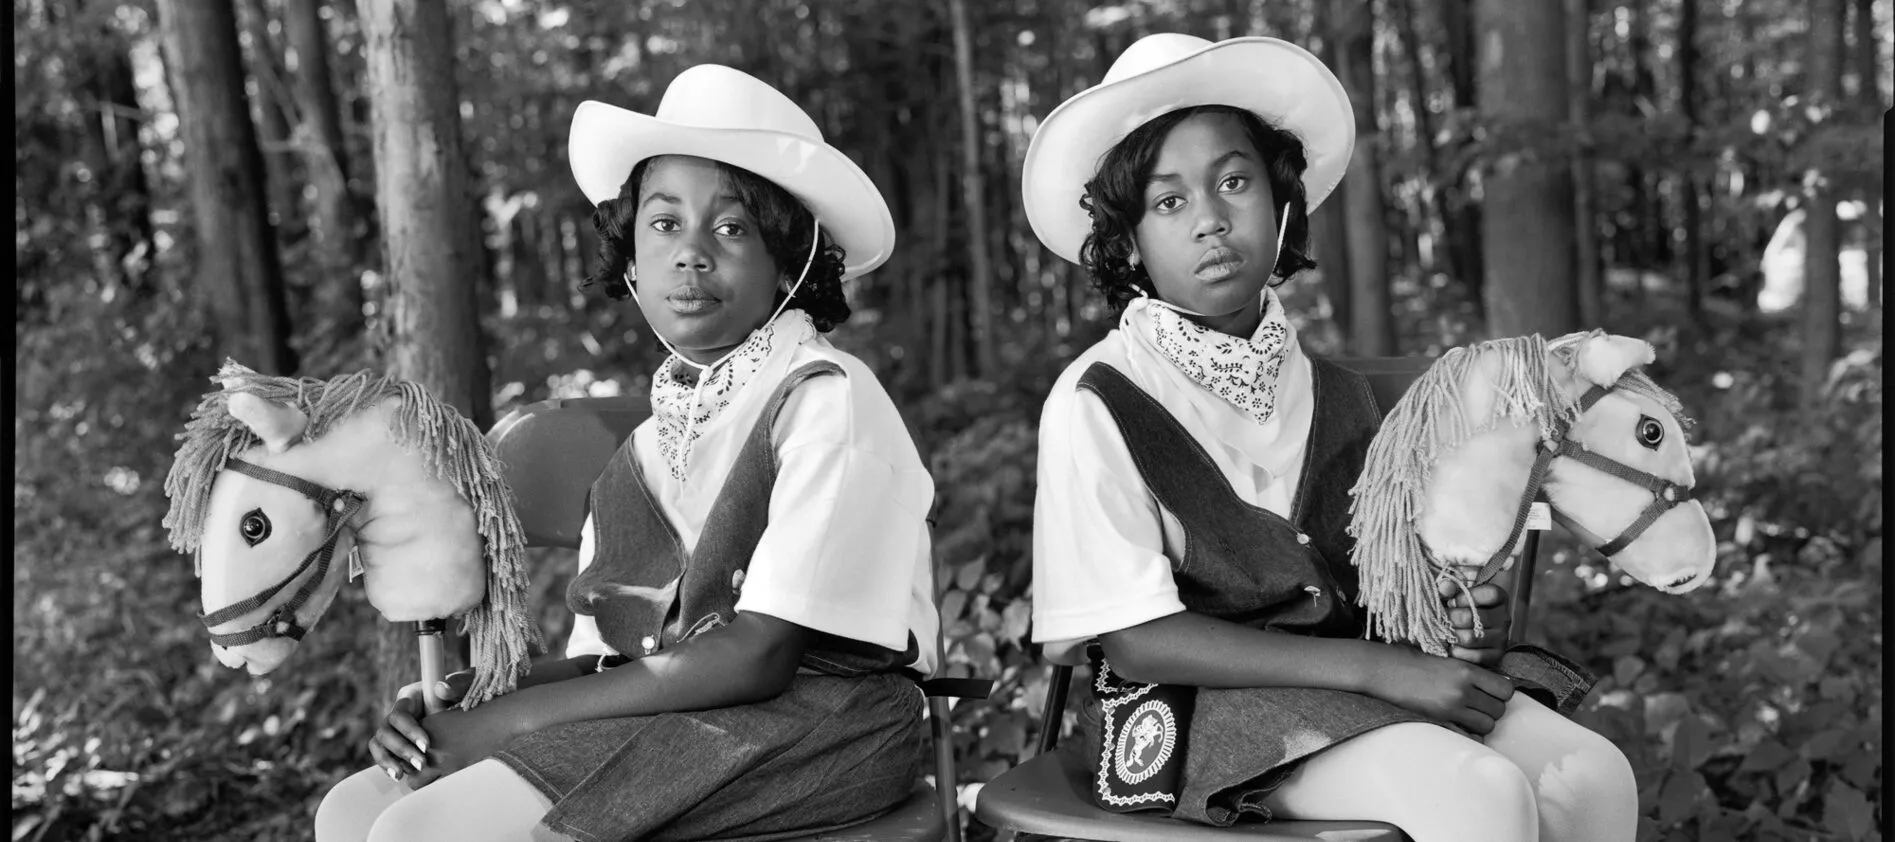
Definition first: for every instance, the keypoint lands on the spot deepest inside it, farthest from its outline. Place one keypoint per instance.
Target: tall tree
(1461, 214)
(1822, 234)
(973, 186)
(273, 123)
(1869, 94)
(1694, 261)
(120, 193)
(1586, 277)
(1328, 225)
(430, 236)
(1372, 325)
(1527, 224)
(326, 155)
(237, 262)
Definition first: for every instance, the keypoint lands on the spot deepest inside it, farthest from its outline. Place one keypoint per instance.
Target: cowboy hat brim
(608, 141)
(1276, 80)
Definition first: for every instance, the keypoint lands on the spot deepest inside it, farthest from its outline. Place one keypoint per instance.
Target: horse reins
(1665, 493)
(338, 506)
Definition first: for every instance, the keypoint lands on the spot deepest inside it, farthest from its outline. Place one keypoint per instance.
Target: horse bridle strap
(1665, 493)
(338, 507)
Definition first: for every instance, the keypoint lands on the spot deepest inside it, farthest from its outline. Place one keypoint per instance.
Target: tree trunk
(1440, 256)
(1528, 221)
(1328, 223)
(980, 278)
(273, 128)
(237, 262)
(1372, 325)
(430, 238)
(1822, 240)
(1693, 262)
(1461, 215)
(1589, 287)
(120, 193)
(1869, 94)
(337, 246)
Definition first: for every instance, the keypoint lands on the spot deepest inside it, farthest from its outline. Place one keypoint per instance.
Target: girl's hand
(1496, 617)
(400, 745)
(1444, 688)
(461, 738)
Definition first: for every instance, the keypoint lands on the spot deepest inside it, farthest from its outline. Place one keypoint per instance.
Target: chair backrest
(552, 451)
(1389, 379)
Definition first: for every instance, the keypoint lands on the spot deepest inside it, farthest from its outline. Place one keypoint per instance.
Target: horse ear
(1602, 358)
(278, 424)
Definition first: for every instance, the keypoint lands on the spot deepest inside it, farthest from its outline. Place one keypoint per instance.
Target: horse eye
(255, 527)
(1650, 432)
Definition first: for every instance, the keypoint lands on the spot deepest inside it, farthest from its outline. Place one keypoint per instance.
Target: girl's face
(705, 280)
(1208, 236)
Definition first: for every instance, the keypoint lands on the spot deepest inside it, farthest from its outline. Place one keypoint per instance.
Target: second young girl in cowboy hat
(753, 595)
(1193, 489)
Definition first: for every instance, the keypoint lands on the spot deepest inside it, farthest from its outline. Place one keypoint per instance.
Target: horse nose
(228, 657)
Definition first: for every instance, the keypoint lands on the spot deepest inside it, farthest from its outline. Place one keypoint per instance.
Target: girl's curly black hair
(1115, 199)
(784, 222)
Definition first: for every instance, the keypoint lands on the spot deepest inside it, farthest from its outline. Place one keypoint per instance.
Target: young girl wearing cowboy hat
(1193, 489)
(754, 581)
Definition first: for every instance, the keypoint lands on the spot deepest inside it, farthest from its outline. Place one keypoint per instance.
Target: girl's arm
(1193, 649)
(748, 661)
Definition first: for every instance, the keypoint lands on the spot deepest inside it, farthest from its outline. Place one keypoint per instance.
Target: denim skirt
(827, 753)
(1241, 744)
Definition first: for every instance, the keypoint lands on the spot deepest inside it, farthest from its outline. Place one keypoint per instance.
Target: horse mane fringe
(503, 629)
(1398, 586)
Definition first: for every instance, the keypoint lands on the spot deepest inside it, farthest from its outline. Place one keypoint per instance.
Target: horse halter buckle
(337, 506)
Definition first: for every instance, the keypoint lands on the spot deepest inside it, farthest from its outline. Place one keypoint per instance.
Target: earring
(1132, 261)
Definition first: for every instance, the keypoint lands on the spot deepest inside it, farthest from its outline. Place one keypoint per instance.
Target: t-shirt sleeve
(585, 639)
(1098, 543)
(847, 519)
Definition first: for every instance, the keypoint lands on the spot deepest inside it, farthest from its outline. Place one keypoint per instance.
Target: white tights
(485, 801)
(1539, 776)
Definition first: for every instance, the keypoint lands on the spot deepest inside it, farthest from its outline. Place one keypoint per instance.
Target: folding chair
(552, 451)
(1044, 795)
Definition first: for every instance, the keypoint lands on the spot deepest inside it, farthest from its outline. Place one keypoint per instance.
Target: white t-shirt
(1103, 548)
(847, 549)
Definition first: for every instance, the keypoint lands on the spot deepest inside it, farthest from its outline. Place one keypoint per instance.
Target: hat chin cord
(704, 370)
(1280, 232)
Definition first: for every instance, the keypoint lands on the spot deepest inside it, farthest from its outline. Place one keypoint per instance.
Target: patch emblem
(1145, 742)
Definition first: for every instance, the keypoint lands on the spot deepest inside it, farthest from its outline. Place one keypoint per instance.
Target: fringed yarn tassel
(1398, 576)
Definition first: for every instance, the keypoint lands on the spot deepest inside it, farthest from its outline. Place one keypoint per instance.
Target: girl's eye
(664, 225)
(1236, 182)
(1650, 432)
(255, 527)
(731, 229)
(1168, 203)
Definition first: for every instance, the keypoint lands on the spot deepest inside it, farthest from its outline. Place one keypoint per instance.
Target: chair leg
(947, 795)
(1055, 710)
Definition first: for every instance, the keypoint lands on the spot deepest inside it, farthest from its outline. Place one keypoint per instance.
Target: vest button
(1302, 538)
(649, 643)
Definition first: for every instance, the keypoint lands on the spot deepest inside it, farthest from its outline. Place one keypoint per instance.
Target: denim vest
(648, 594)
(1243, 563)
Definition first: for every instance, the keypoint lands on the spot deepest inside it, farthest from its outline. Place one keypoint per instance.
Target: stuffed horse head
(281, 485)
(1491, 428)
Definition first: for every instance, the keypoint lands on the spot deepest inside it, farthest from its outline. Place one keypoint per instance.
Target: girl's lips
(691, 300)
(1217, 264)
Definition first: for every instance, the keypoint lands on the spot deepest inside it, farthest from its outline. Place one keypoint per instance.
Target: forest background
(198, 179)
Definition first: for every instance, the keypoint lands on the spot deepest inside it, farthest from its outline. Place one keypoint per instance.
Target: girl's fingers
(408, 727)
(403, 750)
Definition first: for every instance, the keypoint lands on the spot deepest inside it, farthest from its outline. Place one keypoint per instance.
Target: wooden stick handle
(428, 635)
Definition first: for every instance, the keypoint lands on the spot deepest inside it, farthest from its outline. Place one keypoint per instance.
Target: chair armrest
(958, 688)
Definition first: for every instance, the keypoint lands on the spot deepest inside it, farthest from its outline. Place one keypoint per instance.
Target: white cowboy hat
(1276, 80)
(716, 112)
